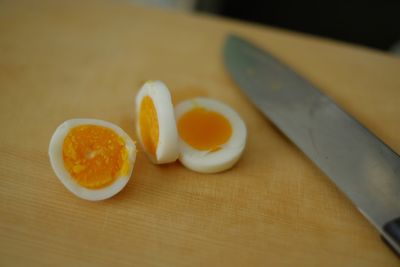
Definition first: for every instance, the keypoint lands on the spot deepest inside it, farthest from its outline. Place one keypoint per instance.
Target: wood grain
(69, 59)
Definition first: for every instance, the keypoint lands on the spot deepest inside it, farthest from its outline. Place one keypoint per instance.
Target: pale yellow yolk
(148, 122)
(95, 156)
(204, 129)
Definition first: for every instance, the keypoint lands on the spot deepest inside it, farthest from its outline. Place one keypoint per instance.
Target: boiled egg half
(212, 136)
(93, 158)
(155, 123)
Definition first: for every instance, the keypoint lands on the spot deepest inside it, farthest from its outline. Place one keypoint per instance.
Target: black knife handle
(392, 229)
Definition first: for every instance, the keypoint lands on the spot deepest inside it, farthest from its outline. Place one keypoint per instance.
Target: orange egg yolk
(95, 156)
(204, 129)
(148, 122)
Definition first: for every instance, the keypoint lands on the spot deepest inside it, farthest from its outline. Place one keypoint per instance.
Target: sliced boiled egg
(155, 123)
(94, 159)
(212, 135)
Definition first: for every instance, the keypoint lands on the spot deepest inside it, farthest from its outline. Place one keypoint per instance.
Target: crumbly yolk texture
(204, 129)
(148, 122)
(95, 156)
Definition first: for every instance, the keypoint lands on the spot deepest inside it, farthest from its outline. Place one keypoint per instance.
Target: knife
(359, 163)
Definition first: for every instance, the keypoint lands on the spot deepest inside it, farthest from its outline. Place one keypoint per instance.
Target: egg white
(57, 162)
(229, 153)
(167, 148)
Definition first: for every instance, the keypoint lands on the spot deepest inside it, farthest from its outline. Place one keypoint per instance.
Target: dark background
(371, 23)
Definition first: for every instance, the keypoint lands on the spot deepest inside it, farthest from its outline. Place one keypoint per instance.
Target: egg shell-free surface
(57, 162)
(167, 149)
(68, 59)
(229, 153)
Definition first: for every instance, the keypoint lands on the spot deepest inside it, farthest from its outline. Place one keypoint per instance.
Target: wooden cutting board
(62, 60)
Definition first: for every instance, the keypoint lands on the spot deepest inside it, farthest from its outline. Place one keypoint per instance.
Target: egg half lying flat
(212, 135)
(94, 159)
(155, 123)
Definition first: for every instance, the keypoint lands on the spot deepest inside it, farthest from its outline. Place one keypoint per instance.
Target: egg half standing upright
(212, 135)
(155, 123)
(94, 159)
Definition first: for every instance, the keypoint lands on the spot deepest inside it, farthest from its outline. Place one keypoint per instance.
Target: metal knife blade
(360, 164)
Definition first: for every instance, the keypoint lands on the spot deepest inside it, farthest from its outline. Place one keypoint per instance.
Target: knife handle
(392, 229)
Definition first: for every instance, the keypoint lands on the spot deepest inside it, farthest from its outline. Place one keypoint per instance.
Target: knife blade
(358, 162)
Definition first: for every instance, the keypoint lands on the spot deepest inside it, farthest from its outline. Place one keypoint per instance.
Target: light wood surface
(70, 59)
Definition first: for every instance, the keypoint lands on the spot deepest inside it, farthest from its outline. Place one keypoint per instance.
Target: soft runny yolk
(95, 156)
(204, 129)
(148, 122)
